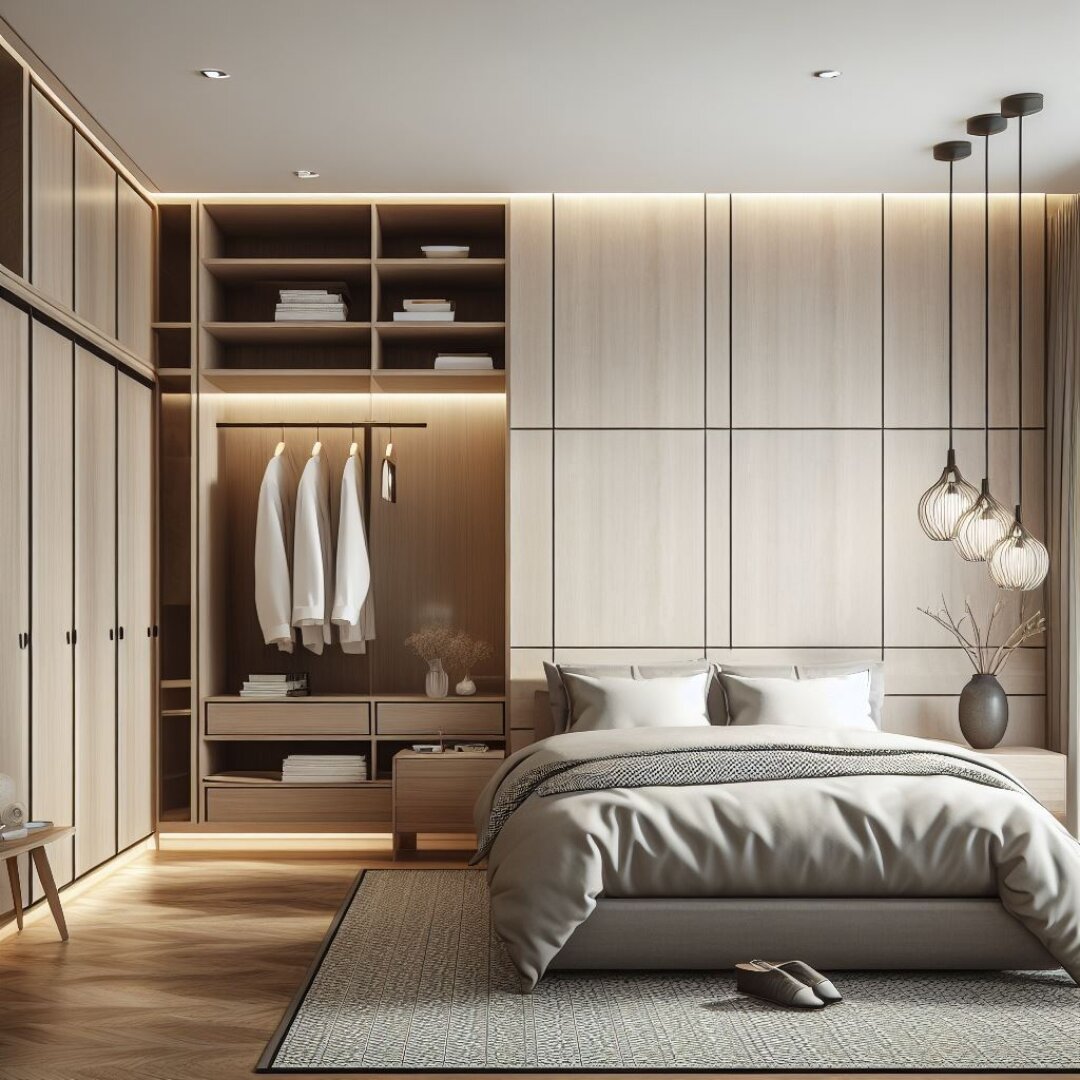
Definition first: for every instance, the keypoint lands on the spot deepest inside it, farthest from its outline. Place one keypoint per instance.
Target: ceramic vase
(984, 712)
(465, 688)
(437, 683)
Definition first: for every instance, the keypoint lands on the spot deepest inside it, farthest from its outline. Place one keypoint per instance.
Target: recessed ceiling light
(305, 174)
(214, 73)
(828, 73)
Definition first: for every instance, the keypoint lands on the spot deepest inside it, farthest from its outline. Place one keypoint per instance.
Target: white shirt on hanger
(273, 599)
(354, 611)
(313, 566)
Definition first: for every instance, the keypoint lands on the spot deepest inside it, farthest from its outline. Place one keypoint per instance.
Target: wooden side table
(435, 793)
(34, 843)
(1042, 772)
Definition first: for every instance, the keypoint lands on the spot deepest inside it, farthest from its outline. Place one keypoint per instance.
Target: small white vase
(437, 682)
(465, 688)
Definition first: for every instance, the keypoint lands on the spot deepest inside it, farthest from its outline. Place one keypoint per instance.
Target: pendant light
(985, 524)
(943, 504)
(1019, 562)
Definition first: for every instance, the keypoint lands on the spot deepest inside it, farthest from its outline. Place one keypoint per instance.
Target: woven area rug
(412, 977)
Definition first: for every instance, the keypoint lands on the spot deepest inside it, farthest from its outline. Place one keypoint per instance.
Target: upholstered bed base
(829, 933)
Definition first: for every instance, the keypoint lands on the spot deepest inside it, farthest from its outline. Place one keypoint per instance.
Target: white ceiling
(564, 95)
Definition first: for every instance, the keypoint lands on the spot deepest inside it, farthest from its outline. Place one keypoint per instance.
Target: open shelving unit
(248, 251)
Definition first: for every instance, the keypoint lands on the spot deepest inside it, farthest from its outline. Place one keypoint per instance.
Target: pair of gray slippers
(790, 983)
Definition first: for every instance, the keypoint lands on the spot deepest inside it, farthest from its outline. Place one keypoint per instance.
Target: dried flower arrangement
(432, 642)
(984, 657)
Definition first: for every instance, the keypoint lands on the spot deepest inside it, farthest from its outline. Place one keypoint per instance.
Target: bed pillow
(605, 704)
(841, 701)
(560, 706)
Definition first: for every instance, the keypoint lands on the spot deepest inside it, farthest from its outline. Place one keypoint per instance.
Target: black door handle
(67, 636)
(121, 633)
(155, 630)
(111, 633)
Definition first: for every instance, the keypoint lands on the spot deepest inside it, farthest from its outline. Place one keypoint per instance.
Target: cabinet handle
(67, 636)
(148, 633)
(121, 633)
(155, 630)
(75, 636)
(24, 640)
(112, 633)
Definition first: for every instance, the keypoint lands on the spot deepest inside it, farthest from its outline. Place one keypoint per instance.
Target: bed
(696, 847)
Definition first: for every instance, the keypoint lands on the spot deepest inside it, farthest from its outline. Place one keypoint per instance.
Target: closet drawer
(431, 717)
(294, 803)
(297, 718)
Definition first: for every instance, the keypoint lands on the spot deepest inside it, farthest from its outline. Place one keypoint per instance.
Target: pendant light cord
(951, 166)
(986, 309)
(1020, 316)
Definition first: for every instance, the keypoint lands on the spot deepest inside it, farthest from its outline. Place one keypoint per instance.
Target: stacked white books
(310, 305)
(464, 362)
(275, 686)
(324, 768)
(445, 251)
(426, 311)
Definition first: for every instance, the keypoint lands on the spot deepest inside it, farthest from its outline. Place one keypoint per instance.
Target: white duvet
(828, 813)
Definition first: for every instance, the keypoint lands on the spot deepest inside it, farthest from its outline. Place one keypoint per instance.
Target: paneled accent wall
(723, 412)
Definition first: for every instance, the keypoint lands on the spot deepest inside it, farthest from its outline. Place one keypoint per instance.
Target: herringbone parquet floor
(179, 967)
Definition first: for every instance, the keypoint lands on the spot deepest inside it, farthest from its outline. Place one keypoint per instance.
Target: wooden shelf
(316, 698)
(175, 712)
(273, 779)
(174, 380)
(449, 271)
(427, 380)
(290, 380)
(170, 326)
(426, 332)
(285, 269)
(175, 684)
(288, 333)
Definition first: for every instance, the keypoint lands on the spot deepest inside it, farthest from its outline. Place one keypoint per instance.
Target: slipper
(769, 982)
(808, 976)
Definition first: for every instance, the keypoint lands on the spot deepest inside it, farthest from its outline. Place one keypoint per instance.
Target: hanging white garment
(273, 589)
(354, 610)
(313, 566)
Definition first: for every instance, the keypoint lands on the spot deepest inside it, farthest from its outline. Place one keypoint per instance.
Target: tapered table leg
(41, 862)
(16, 888)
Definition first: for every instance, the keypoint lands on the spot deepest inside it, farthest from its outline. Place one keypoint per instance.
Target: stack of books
(445, 251)
(324, 769)
(426, 311)
(310, 305)
(464, 362)
(275, 686)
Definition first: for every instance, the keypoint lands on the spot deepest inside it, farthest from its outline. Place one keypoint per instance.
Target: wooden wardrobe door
(52, 196)
(52, 589)
(95, 610)
(95, 237)
(134, 272)
(134, 538)
(14, 550)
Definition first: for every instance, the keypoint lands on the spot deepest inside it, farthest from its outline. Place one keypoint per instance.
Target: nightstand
(435, 793)
(1042, 772)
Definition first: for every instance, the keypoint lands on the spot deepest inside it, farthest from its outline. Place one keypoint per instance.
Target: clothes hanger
(316, 450)
(280, 448)
(354, 448)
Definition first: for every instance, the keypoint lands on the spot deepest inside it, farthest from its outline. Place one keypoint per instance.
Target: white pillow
(840, 702)
(600, 704)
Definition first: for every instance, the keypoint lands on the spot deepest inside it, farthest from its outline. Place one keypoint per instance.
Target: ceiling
(564, 95)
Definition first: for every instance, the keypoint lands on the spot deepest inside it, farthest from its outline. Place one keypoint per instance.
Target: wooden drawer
(296, 718)
(437, 793)
(430, 717)
(292, 803)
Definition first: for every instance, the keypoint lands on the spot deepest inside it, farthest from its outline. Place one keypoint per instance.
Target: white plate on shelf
(445, 251)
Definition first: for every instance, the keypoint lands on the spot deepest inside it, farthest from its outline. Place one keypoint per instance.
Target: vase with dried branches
(984, 706)
(469, 653)
(434, 644)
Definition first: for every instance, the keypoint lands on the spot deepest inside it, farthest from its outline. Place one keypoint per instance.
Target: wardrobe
(77, 542)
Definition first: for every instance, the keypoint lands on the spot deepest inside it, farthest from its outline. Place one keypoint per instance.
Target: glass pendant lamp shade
(1019, 562)
(982, 527)
(945, 502)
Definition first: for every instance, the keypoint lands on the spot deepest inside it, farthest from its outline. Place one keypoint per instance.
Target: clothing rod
(316, 424)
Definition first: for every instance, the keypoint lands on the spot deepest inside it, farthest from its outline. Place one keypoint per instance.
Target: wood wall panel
(629, 310)
(916, 323)
(718, 310)
(947, 670)
(806, 310)
(52, 587)
(717, 538)
(15, 547)
(531, 512)
(134, 272)
(95, 237)
(806, 538)
(526, 678)
(135, 610)
(95, 610)
(530, 288)
(917, 570)
(937, 718)
(629, 538)
(52, 201)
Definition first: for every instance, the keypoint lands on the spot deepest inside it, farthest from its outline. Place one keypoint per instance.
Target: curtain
(1063, 487)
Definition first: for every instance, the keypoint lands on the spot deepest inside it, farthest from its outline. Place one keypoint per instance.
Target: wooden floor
(179, 967)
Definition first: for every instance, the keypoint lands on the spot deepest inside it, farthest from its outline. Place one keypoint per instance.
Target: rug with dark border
(412, 977)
